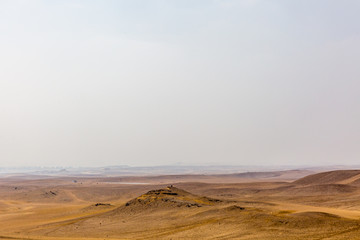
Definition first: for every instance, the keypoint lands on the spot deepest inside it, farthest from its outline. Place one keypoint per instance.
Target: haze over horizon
(248, 82)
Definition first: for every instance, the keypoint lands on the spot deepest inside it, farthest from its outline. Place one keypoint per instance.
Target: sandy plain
(259, 205)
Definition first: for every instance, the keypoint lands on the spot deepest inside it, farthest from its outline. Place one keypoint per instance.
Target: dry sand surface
(272, 205)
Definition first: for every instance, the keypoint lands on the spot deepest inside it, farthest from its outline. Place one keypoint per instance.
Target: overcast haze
(93, 83)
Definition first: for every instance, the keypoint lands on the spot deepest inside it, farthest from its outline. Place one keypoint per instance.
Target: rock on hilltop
(171, 197)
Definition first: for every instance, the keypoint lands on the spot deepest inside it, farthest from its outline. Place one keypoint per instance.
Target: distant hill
(351, 177)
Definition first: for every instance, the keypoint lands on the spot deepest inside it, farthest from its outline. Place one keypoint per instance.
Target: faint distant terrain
(161, 170)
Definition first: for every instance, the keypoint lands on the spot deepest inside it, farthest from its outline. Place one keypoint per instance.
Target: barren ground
(248, 206)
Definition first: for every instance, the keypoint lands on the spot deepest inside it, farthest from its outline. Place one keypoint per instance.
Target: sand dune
(332, 177)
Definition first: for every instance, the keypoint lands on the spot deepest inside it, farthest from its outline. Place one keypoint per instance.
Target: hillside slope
(332, 177)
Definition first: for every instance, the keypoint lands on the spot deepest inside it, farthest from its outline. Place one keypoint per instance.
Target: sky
(169, 82)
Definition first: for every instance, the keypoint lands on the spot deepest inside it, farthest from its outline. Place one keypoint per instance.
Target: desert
(179, 120)
(252, 205)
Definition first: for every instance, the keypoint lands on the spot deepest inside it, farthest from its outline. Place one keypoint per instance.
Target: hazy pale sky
(92, 83)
